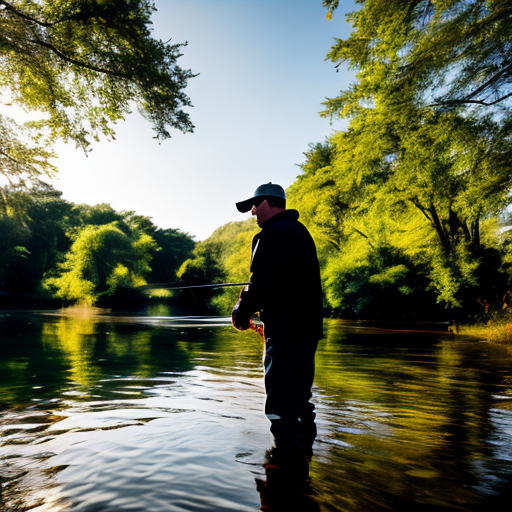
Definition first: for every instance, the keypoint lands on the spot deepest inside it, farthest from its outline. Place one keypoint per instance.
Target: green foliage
(203, 267)
(223, 257)
(448, 54)
(422, 207)
(96, 215)
(83, 63)
(13, 252)
(176, 247)
(41, 218)
(101, 261)
(233, 242)
(81, 66)
(397, 202)
(45, 238)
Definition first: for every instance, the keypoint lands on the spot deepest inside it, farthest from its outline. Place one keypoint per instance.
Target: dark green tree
(175, 248)
(48, 218)
(13, 253)
(203, 267)
(42, 219)
(95, 215)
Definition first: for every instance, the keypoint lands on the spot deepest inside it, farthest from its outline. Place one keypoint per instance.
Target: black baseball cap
(263, 191)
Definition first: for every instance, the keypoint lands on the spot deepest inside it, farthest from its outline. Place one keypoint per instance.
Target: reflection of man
(285, 288)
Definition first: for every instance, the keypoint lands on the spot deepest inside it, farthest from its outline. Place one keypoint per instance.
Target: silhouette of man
(286, 290)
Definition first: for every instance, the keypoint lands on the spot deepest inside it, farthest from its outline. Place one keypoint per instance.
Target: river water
(158, 413)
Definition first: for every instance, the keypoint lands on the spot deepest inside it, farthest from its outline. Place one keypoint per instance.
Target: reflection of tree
(406, 424)
(84, 349)
(25, 368)
(75, 337)
(96, 349)
(16, 372)
(399, 428)
(134, 346)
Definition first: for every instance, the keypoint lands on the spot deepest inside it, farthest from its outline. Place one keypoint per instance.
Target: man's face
(262, 212)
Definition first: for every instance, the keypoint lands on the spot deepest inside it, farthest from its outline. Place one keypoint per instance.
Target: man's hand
(239, 324)
(240, 321)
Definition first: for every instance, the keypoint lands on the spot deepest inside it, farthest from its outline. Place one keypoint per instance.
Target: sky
(262, 78)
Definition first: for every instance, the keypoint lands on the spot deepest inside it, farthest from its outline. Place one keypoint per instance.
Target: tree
(48, 218)
(453, 53)
(45, 239)
(232, 244)
(203, 267)
(176, 247)
(83, 62)
(42, 218)
(427, 150)
(82, 65)
(13, 253)
(101, 262)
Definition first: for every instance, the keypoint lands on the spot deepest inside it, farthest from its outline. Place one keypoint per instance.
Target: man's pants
(289, 373)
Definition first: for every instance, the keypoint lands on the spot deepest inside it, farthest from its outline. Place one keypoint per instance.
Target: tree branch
(439, 228)
(55, 50)
(8, 157)
(416, 203)
(24, 16)
(363, 235)
(491, 80)
(464, 101)
(77, 62)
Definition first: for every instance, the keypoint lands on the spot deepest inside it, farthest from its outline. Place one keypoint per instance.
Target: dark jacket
(285, 284)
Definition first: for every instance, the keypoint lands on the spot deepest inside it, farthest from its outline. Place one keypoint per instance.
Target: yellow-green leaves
(81, 66)
(84, 63)
(102, 260)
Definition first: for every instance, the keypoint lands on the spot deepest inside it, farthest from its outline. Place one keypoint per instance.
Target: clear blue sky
(262, 78)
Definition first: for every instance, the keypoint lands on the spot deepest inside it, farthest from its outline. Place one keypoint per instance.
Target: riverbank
(493, 331)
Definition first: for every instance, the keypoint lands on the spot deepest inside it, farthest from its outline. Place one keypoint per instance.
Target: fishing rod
(254, 324)
(171, 286)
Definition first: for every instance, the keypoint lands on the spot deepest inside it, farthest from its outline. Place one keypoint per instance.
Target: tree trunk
(475, 232)
(439, 228)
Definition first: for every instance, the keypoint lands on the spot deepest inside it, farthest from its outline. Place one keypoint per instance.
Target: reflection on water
(160, 413)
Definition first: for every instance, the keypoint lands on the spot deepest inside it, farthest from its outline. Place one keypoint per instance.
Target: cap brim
(245, 206)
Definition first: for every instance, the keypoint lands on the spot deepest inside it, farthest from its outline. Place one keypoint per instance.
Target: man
(286, 289)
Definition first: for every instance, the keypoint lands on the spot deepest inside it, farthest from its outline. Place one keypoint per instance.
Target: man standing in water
(286, 289)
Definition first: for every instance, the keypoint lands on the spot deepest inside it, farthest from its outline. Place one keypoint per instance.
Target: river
(160, 413)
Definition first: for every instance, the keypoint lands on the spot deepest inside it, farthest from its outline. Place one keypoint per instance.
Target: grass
(495, 331)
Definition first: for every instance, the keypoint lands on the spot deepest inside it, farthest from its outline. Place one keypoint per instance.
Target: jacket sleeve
(268, 256)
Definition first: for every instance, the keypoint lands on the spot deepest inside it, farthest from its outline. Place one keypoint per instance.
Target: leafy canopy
(400, 203)
(449, 53)
(101, 261)
(81, 66)
(84, 62)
